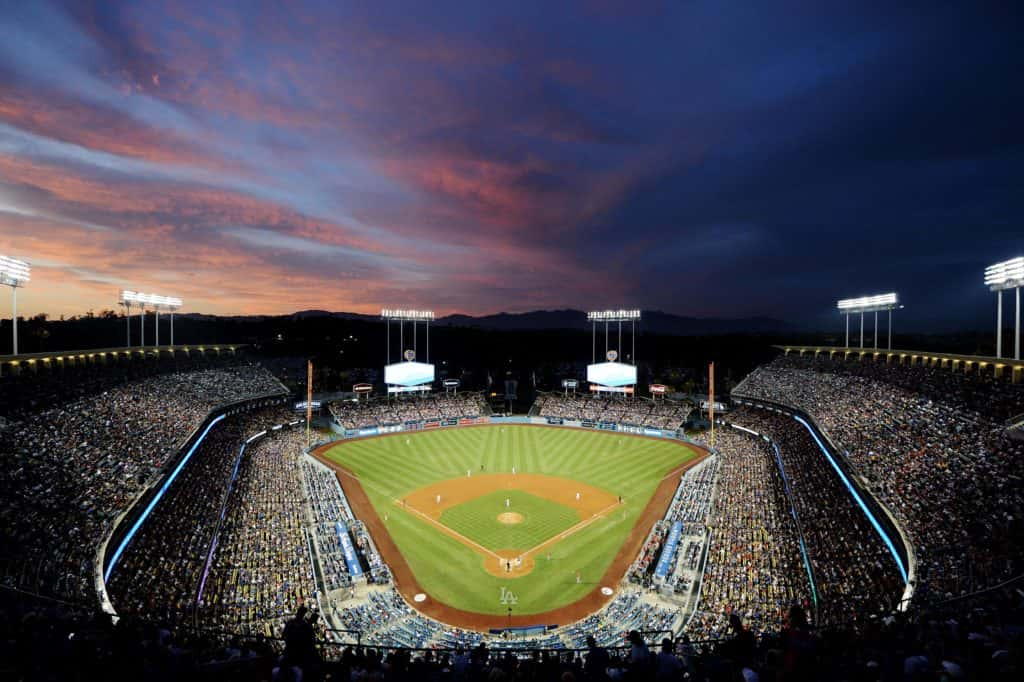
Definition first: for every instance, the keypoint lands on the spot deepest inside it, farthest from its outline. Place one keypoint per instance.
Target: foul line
(530, 552)
(572, 530)
(455, 534)
(533, 550)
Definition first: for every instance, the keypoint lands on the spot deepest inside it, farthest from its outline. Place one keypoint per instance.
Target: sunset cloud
(480, 157)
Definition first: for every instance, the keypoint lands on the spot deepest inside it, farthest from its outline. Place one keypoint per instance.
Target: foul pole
(309, 399)
(711, 400)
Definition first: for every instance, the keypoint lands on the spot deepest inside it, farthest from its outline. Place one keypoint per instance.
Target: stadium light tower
(403, 316)
(868, 304)
(159, 303)
(14, 273)
(168, 303)
(596, 317)
(128, 298)
(1006, 275)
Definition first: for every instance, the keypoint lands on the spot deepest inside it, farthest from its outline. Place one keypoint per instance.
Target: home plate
(420, 598)
(606, 591)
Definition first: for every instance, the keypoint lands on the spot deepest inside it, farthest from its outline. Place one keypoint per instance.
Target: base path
(407, 585)
(430, 502)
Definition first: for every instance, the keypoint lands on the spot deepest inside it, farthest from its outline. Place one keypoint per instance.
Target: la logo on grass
(507, 598)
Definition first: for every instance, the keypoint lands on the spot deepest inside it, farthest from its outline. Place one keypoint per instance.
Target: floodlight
(150, 299)
(1006, 275)
(169, 303)
(13, 272)
(999, 277)
(867, 304)
(408, 315)
(613, 315)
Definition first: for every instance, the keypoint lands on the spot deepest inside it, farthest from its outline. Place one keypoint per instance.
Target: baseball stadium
(417, 517)
(461, 341)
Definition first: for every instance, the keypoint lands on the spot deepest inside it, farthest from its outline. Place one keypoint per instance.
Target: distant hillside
(654, 321)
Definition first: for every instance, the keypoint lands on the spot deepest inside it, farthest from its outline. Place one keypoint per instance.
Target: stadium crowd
(932, 444)
(158, 574)
(753, 566)
(977, 639)
(73, 468)
(352, 414)
(919, 450)
(262, 568)
(854, 573)
(691, 506)
(662, 414)
(328, 506)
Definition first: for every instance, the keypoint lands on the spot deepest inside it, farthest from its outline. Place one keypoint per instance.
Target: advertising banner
(668, 554)
(347, 548)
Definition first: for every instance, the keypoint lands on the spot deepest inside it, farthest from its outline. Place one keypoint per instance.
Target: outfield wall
(454, 422)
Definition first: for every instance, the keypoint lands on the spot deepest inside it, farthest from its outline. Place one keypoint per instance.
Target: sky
(715, 159)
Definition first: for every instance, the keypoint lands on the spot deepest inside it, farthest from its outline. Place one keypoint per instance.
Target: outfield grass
(478, 520)
(391, 467)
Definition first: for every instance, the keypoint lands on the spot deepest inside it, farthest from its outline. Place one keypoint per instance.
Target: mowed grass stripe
(453, 573)
(478, 520)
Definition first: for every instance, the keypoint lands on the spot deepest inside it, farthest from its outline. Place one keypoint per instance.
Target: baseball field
(488, 518)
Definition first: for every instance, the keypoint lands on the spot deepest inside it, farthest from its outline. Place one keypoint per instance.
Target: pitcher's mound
(510, 518)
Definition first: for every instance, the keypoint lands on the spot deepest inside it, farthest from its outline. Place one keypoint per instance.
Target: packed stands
(753, 565)
(74, 467)
(932, 445)
(262, 568)
(350, 414)
(662, 414)
(920, 439)
(855, 574)
(158, 574)
(969, 639)
(328, 507)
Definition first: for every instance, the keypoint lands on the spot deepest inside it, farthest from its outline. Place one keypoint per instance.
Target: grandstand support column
(999, 323)
(876, 330)
(142, 327)
(862, 330)
(128, 322)
(847, 330)
(172, 326)
(157, 342)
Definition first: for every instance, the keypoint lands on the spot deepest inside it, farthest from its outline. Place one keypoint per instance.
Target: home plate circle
(606, 591)
(419, 598)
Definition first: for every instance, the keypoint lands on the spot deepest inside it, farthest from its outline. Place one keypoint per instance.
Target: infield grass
(478, 520)
(391, 467)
